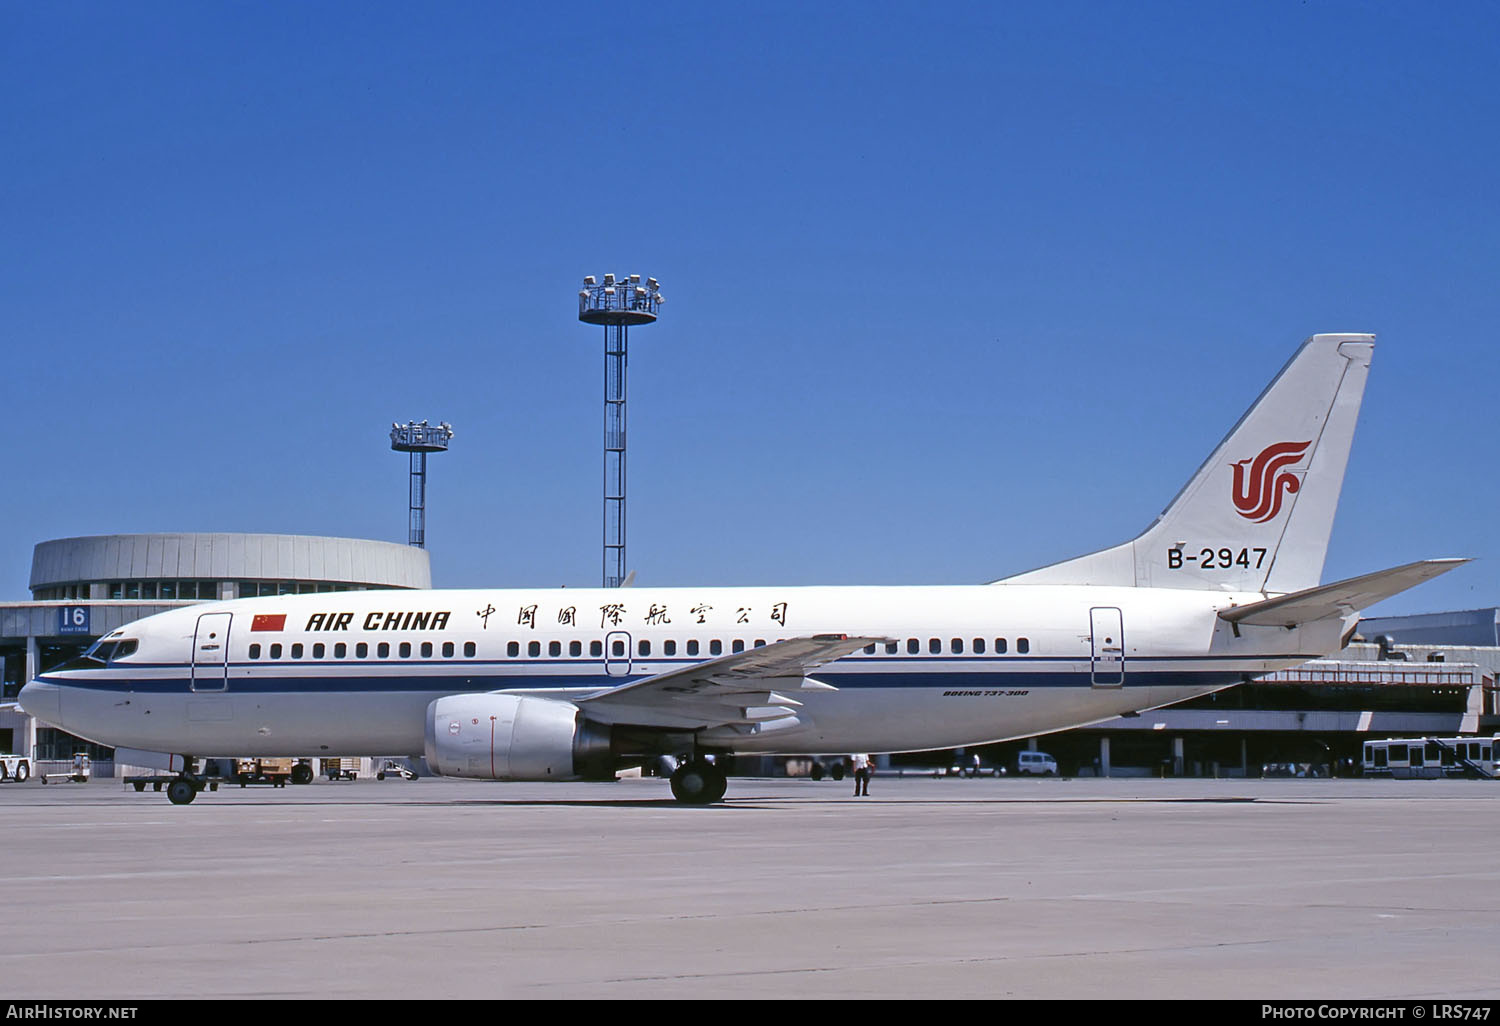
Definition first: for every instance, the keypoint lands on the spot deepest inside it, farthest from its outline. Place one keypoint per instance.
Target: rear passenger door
(1107, 627)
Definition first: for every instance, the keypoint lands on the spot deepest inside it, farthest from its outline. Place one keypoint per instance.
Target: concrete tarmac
(948, 888)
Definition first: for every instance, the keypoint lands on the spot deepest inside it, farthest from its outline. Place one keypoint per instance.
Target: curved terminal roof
(114, 557)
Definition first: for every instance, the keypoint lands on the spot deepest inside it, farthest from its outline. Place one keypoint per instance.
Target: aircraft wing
(1341, 598)
(745, 689)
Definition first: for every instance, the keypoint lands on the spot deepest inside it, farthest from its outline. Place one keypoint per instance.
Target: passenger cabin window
(319, 650)
(470, 648)
(575, 648)
(669, 648)
(934, 645)
(361, 651)
(617, 648)
(739, 645)
(1023, 646)
(513, 649)
(276, 651)
(384, 650)
(596, 649)
(891, 647)
(643, 648)
(533, 648)
(405, 650)
(956, 646)
(297, 650)
(554, 648)
(913, 646)
(716, 647)
(869, 650)
(447, 650)
(254, 651)
(692, 647)
(426, 650)
(999, 646)
(979, 646)
(340, 650)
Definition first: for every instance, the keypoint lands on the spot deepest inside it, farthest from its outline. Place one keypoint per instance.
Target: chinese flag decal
(268, 622)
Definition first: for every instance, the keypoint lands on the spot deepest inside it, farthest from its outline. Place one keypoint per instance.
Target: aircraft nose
(42, 700)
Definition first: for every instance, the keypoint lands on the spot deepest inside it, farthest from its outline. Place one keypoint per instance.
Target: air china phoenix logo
(1260, 486)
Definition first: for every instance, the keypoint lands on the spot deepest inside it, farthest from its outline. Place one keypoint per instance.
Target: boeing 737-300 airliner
(535, 684)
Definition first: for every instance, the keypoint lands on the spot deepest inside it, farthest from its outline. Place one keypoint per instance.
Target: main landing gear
(699, 782)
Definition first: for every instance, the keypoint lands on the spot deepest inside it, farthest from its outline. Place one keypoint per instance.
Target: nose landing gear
(181, 791)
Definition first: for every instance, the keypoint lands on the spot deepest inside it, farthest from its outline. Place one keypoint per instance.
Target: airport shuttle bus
(1431, 757)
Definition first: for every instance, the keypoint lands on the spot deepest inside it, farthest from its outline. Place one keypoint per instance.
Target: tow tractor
(14, 767)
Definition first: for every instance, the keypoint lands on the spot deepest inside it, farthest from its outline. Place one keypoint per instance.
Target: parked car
(1035, 764)
(974, 767)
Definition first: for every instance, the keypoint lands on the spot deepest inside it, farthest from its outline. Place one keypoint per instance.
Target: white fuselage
(353, 673)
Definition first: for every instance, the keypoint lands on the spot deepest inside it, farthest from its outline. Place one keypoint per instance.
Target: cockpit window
(101, 651)
(107, 651)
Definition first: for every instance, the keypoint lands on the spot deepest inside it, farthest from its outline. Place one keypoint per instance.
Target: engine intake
(507, 737)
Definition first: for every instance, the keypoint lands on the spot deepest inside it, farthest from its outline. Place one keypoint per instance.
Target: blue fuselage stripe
(489, 677)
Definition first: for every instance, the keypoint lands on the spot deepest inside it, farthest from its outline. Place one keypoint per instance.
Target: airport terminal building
(83, 588)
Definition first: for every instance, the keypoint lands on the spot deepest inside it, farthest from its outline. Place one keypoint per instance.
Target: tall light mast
(616, 304)
(419, 440)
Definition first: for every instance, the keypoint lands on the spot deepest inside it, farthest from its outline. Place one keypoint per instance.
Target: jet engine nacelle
(507, 737)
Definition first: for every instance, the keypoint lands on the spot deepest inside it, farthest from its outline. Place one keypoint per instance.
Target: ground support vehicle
(276, 772)
(14, 768)
(79, 772)
(395, 768)
(341, 769)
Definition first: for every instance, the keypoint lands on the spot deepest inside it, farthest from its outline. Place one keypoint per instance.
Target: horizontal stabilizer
(1342, 598)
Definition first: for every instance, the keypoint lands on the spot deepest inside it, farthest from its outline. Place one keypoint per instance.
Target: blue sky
(953, 290)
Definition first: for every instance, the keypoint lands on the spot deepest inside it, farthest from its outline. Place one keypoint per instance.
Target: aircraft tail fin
(1258, 513)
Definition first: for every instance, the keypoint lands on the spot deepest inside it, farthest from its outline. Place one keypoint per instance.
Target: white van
(1037, 764)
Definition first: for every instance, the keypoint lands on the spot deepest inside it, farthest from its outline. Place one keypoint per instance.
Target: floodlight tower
(616, 304)
(419, 440)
